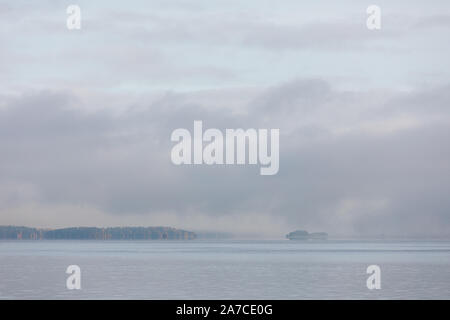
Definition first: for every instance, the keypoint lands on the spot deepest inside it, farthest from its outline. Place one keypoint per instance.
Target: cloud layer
(86, 116)
(351, 162)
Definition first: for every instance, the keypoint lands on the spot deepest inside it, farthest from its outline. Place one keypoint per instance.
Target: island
(94, 233)
(305, 235)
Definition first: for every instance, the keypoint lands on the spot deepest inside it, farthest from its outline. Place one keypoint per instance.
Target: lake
(228, 269)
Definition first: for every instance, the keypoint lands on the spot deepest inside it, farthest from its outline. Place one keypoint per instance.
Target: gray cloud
(434, 21)
(342, 169)
(155, 45)
(86, 116)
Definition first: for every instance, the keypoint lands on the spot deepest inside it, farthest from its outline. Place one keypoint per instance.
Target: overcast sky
(364, 115)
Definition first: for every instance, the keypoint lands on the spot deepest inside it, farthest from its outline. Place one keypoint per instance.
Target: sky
(86, 115)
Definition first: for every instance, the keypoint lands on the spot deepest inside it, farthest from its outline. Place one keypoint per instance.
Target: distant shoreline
(95, 233)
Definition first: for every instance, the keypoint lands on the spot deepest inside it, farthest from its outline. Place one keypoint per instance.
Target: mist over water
(226, 269)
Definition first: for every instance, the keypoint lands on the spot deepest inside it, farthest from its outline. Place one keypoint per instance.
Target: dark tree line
(92, 233)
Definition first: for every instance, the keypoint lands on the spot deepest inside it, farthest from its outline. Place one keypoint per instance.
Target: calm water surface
(224, 269)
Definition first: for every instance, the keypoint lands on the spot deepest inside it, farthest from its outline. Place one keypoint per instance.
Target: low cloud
(349, 164)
